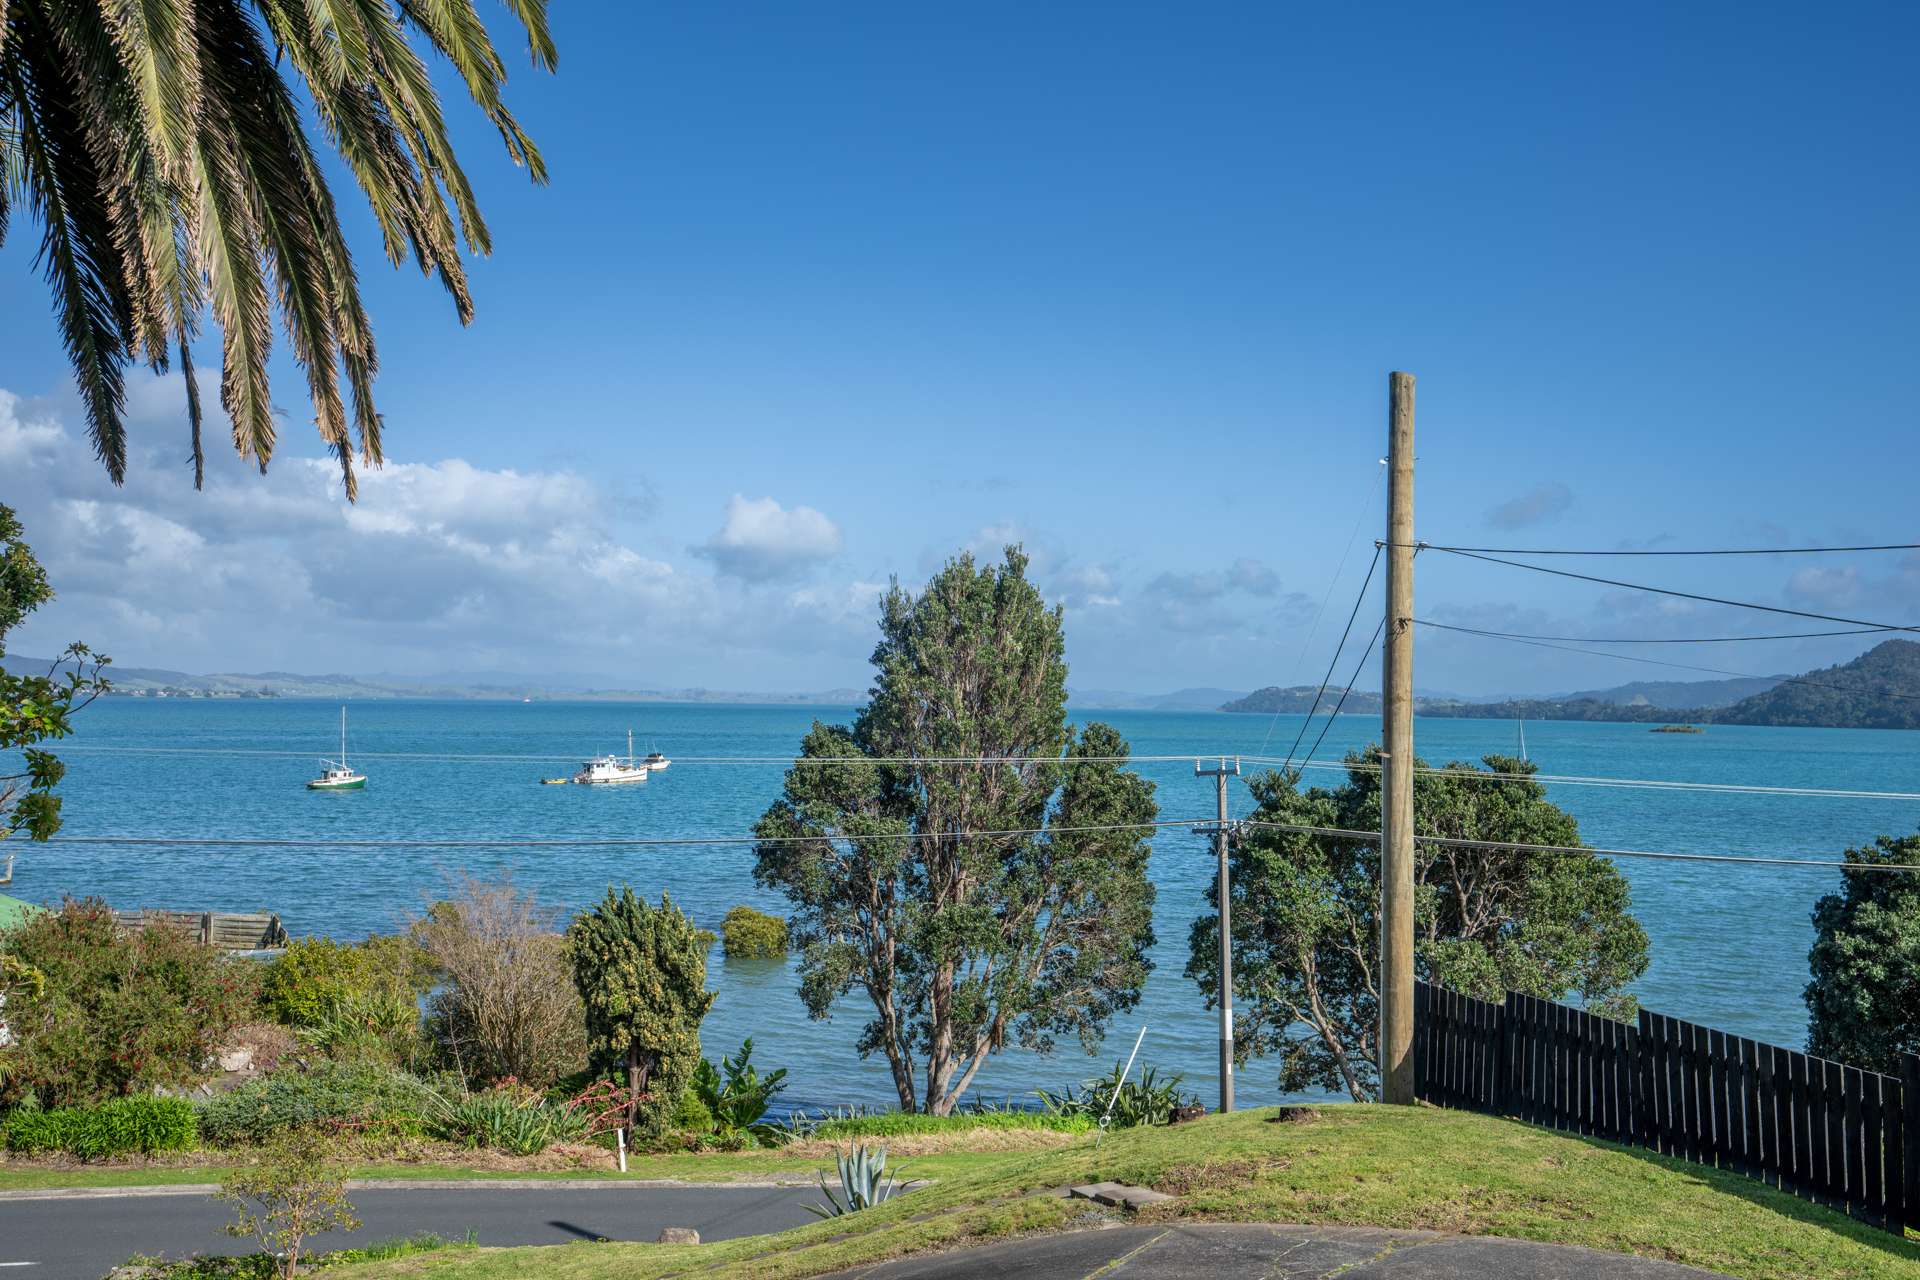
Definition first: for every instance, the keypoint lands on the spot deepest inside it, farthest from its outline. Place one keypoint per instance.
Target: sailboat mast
(343, 737)
(629, 748)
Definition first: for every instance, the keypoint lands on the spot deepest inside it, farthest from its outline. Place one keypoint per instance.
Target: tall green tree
(642, 974)
(35, 708)
(959, 855)
(1864, 1000)
(165, 149)
(1486, 922)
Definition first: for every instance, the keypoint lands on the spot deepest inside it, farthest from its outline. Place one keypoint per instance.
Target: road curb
(420, 1184)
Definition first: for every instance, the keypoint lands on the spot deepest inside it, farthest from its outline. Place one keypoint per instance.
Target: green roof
(14, 913)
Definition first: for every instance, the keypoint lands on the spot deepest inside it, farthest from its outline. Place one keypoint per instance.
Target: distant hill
(1860, 694)
(1677, 693)
(1178, 700)
(158, 682)
(1296, 700)
(1880, 689)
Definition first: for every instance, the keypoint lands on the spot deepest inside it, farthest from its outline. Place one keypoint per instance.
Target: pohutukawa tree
(911, 873)
(1486, 921)
(163, 148)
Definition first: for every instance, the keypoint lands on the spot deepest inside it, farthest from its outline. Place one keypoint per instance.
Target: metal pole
(1220, 774)
(1396, 779)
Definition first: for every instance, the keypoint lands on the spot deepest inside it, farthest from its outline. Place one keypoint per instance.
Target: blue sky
(819, 296)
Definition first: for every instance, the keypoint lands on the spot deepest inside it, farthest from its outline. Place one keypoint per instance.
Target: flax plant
(164, 149)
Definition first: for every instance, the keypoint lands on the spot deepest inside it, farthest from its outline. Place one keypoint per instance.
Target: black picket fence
(1824, 1131)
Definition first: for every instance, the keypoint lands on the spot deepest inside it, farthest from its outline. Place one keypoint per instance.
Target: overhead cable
(1678, 666)
(1714, 551)
(1454, 842)
(1358, 599)
(1667, 591)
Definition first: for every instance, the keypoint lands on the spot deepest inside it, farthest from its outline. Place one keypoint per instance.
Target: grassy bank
(748, 1166)
(1376, 1166)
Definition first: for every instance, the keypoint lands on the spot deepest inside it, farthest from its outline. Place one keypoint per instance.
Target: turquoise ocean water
(1729, 943)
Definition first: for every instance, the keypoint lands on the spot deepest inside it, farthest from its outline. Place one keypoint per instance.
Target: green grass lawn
(1372, 1166)
(746, 1166)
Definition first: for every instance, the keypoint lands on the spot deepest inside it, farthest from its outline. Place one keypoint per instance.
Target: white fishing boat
(655, 761)
(338, 776)
(604, 770)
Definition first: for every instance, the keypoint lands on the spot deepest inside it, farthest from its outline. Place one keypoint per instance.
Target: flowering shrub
(114, 1012)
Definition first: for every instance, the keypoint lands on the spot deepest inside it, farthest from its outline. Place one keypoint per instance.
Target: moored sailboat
(338, 776)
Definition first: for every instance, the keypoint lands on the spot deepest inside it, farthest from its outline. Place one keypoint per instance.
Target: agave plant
(167, 149)
(864, 1181)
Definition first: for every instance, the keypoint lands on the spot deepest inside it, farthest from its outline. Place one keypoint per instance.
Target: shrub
(126, 1126)
(306, 982)
(1144, 1099)
(510, 1118)
(115, 1013)
(692, 1115)
(736, 1096)
(296, 1188)
(507, 1007)
(339, 1097)
(642, 974)
(754, 935)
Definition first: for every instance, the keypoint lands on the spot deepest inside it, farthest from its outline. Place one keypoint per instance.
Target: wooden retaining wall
(1821, 1130)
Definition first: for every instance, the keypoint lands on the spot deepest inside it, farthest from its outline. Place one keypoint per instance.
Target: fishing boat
(655, 761)
(338, 776)
(608, 769)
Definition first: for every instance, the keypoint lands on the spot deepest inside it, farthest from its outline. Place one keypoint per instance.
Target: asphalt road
(82, 1237)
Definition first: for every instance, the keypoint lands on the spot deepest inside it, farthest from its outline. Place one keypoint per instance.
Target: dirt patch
(928, 1144)
(1215, 1175)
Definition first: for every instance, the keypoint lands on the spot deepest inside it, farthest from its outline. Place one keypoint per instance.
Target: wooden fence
(230, 930)
(1824, 1131)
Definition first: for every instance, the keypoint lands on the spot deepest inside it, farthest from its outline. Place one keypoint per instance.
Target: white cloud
(442, 567)
(762, 540)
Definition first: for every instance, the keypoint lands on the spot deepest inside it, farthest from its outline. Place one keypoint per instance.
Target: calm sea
(1729, 943)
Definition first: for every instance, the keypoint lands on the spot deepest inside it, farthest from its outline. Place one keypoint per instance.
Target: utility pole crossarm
(1220, 773)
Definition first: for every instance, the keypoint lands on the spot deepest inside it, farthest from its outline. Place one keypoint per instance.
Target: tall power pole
(1220, 773)
(1396, 780)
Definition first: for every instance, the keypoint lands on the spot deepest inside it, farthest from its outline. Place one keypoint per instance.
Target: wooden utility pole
(1220, 773)
(1396, 778)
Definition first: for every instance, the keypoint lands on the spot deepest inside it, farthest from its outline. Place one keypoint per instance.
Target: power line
(1581, 780)
(527, 842)
(1314, 629)
(488, 758)
(1678, 666)
(1788, 635)
(1716, 551)
(1453, 842)
(1666, 591)
(1334, 715)
(1358, 600)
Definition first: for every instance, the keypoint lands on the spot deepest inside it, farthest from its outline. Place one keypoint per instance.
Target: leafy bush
(754, 935)
(114, 1013)
(506, 1007)
(1145, 1099)
(314, 977)
(642, 974)
(692, 1115)
(901, 1124)
(736, 1096)
(126, 1126)
(510, 1118)
(264, 1266)
(361, 1098)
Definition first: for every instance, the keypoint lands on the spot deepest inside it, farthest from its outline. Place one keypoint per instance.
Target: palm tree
(163, 151)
